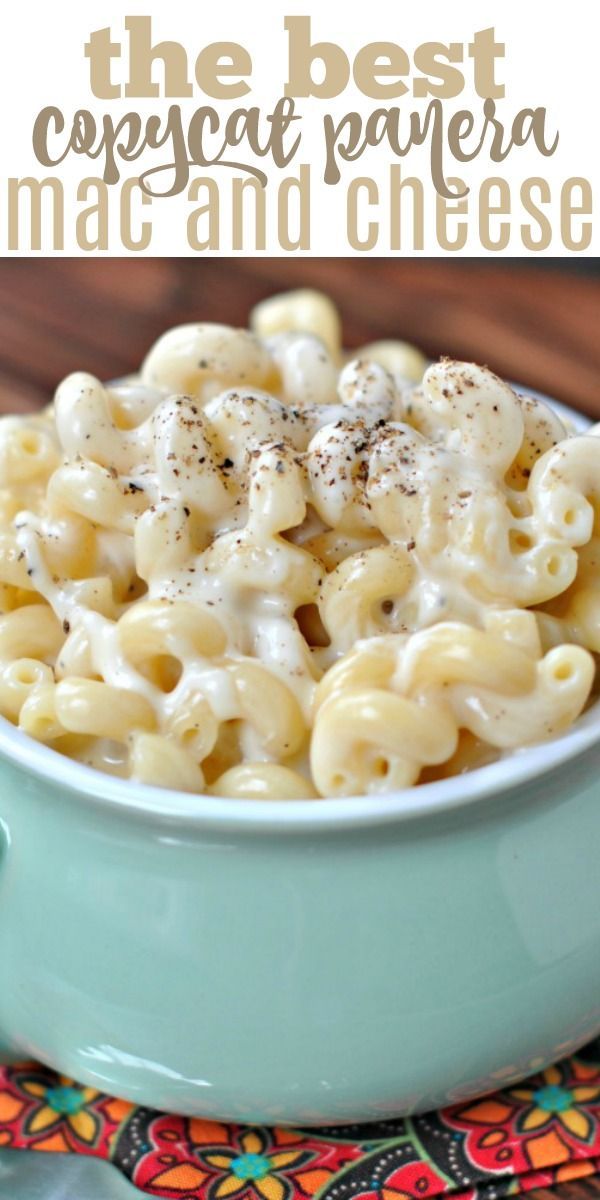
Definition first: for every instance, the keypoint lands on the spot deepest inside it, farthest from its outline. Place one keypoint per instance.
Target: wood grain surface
(538, 326)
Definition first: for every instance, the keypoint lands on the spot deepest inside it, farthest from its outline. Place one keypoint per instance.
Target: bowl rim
(200, 810)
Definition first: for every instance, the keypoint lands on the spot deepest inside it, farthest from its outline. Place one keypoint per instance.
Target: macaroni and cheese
(262, 567)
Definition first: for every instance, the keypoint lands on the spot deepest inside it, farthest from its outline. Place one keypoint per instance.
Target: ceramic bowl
(306, 962)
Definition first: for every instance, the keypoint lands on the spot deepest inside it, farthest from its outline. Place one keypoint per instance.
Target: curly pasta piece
(307, 373)
(432, 685)
(404, 362)
(363, 596)
(371, 741)
(86, 428)
(158, 760)
(562, 485)
(203, 360)
(302, 311)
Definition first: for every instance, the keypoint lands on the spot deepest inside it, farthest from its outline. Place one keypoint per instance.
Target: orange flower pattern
(532, 1134)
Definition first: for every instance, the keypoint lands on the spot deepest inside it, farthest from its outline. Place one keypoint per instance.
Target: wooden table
(541, 327)
(536, 325)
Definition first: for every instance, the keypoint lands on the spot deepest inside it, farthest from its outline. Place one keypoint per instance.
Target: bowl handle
(8, 1052)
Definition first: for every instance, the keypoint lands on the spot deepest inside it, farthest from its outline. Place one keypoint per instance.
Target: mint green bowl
(304, 962)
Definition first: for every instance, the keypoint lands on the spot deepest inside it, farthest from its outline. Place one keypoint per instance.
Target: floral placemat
(538, 1133)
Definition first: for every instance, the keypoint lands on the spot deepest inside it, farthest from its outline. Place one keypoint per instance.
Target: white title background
(551, 60)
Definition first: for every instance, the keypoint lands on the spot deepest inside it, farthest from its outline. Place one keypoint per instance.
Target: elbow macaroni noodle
(262, 568)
